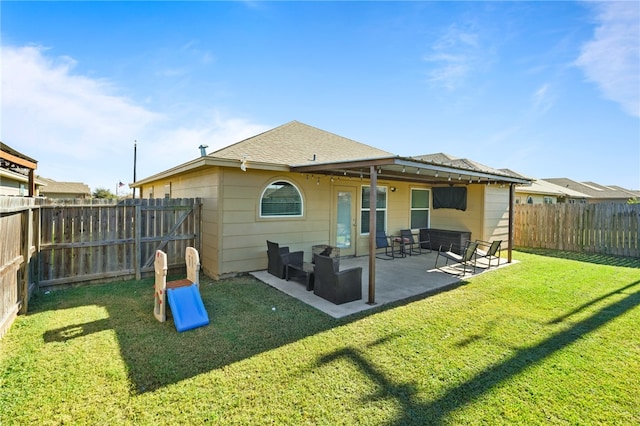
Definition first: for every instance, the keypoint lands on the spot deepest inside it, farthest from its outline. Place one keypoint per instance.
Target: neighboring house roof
(592, 189)
(296, 144)
(543, 187)
(463, 163)
(53, 187)
(632, 192)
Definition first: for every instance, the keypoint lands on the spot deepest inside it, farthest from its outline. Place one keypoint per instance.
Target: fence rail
(607, 228)
(49, 243)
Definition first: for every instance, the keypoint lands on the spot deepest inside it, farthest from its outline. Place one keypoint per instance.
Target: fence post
(137, 247)
(27, 236)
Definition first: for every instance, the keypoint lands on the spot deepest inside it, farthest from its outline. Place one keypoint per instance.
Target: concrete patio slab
(396, 279)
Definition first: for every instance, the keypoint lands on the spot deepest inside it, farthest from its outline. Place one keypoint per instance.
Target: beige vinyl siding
(244, 232)
(496, 218)
(468, 220)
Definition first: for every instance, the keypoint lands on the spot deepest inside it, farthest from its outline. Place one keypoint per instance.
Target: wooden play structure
(182, 295)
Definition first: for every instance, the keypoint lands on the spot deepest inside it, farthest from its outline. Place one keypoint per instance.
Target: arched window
(529, 199)
(281, 199)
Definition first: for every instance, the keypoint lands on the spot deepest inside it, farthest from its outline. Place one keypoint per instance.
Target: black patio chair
(336, 286)
(409, 243)
(279, 257)
(466, 259)
(492, 252)
(384, 242)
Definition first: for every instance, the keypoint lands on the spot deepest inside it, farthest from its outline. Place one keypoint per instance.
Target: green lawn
(545, 341)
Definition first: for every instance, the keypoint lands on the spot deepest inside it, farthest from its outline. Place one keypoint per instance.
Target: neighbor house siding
(521, 198)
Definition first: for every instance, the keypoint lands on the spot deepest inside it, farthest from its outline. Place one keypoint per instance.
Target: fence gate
(98, 242)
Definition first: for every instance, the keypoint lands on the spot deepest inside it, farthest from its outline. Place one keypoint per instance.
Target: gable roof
(296, 144)
(592, 189)
(53, 187)
(298, 147)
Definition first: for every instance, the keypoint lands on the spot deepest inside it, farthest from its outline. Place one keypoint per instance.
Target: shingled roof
(463, 163)
(72, 188)
(297, 144)
(592, 189)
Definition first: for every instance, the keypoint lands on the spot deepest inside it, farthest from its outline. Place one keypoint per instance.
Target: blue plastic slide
(187, 307)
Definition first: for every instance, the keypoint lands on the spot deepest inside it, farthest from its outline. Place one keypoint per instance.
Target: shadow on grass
(435, 412)
(242, 324)
(599, 259)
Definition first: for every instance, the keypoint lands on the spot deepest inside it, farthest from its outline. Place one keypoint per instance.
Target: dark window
(280, 199)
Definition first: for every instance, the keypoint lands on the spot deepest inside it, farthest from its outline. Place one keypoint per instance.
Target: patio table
(304, 272)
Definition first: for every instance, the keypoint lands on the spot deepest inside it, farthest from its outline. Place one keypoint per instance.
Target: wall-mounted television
(450, 197)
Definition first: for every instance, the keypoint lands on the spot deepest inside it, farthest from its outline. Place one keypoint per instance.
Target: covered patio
(396, 280)
(430, 169)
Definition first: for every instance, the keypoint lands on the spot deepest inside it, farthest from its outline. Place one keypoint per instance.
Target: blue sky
(548, 89)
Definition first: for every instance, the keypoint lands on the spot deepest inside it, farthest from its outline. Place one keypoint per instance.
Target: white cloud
(612, 58)
(80, 129)
(543, 99)
(455, 55)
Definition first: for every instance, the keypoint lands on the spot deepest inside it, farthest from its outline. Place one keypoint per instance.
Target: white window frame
(364, 208)
(427, 209)
(294, 186)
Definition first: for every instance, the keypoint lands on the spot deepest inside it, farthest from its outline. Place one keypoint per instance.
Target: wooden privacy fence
(17, 245)
(87, 242)
(51, 243)
(607, 228)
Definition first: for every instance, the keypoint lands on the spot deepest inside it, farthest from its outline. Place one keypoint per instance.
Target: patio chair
(409, 243)
(336, 286)
(493, 252)
(279, 257)
(466, 259)
(384, 242)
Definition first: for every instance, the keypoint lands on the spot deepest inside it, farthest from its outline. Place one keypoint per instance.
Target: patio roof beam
(392, 168)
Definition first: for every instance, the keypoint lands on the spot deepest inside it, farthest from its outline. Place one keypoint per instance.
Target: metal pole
(512, 191)
(135, 149)
(373, 190)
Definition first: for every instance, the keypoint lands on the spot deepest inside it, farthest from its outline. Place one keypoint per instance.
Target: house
(55, 189)
(301, 186)
(542, 192)
(595, 192)
(17, 173)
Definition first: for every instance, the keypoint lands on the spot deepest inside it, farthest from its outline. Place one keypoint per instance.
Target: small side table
(304, 272)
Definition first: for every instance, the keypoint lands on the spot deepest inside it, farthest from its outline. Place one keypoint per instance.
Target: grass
(545, 341)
